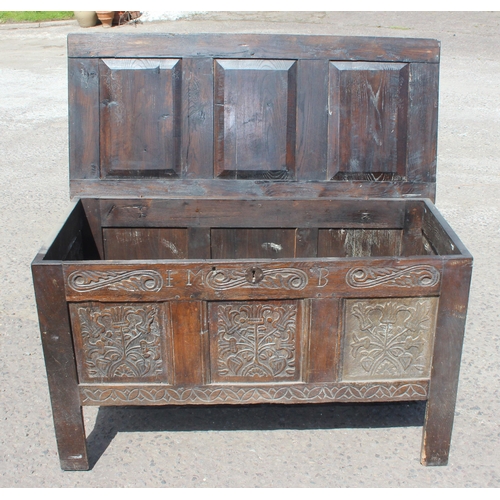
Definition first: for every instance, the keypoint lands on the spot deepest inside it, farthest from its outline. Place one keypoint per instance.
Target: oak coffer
(254, 223)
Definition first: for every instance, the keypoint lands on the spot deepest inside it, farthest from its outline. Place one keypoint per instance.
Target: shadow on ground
(112, 420)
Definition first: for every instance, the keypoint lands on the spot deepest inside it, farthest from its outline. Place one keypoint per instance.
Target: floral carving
(129, 281)
(274, 279)
(120, 342)
(389, 338)
(256, 341)
(367, 277)
(220, 394)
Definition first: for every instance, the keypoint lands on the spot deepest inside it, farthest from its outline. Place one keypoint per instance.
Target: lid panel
(189, 122)
(255, 108)
(139, 117)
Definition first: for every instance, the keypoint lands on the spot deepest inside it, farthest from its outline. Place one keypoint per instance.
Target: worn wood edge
(294, 393)
(452, 235)
(255, 46)
(237, 189)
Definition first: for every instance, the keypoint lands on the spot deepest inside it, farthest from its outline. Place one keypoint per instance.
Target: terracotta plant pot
(106, 17)
(86, 18)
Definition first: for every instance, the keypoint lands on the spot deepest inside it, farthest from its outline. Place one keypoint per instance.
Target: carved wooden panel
(255, 118)
(254, 341)
(140, 117)
(367, 125)
(119, 342)
(388, 338)
(159, 394)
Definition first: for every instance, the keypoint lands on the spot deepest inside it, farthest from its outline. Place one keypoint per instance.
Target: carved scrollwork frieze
(128, 281)
(407, 277)
(272, 279)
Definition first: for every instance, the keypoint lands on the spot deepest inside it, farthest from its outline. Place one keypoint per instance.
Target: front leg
(60, 365)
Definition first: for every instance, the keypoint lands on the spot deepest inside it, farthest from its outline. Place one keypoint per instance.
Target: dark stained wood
(60, 364)
(312, 119)
(255, 103)
(368, 106)
(256, 216)
(437, 236)
(83, 109)
(423, 123)
(199, 243)
(262, 46)
(323, 349)
(197, 115)
(237, 189)
(306, 242)
(74, 241)
(92, 209)
(145, 243)
(252, 243)
(140, 117)
(448, 343)
(359, 242)
(188, 329)
(413, 241)
(287, 278)
(352, 121)
(382, 214)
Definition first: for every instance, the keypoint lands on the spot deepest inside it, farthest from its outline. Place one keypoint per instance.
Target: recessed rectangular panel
(390, 338)
(140, 117)
(367, 126)
(252, 243)
(359, 242)
(123, 342)
(145, 243)
(255, 119)
(254, 342)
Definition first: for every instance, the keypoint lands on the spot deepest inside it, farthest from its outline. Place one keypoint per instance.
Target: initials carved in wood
(388, 338)
(255, 341)
(367, 277)
(120, 342)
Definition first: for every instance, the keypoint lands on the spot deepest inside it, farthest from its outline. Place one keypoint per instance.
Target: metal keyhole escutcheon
(254, 275)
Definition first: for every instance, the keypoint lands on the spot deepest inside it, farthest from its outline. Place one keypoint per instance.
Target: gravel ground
(319, 446)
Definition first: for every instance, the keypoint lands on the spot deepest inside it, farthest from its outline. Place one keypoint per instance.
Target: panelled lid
(252, 115)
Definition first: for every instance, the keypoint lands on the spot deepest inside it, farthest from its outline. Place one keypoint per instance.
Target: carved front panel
(388, 338)
(254, 341)
(119, 342)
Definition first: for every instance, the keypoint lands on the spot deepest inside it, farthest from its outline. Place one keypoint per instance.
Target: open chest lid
(252, 115)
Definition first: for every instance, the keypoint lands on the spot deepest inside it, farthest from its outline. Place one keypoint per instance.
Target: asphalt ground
(263, 446)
